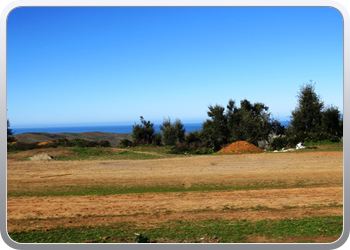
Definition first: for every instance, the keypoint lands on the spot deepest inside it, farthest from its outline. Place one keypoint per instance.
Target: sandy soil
(323, 171)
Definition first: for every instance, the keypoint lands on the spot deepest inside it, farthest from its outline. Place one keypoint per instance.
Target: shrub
(157, 139)
(193, 137)
(63, 142)
(104, 143)
(142, 239)
(125, 143)
(193, 148)
(143, 133)
(21, 146)
(278, 143)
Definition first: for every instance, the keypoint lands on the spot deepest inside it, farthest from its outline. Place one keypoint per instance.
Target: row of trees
(172, 133)
(311, 120)
(311, 117)
(252, 122)
(249, 122)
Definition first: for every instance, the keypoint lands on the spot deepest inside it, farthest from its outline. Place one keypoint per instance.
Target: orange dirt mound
(241, 147)
(44, 143)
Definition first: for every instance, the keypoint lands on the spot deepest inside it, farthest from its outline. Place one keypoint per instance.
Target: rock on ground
(41, 157)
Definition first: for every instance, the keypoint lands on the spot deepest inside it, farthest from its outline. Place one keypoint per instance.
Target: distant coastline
(117, 129)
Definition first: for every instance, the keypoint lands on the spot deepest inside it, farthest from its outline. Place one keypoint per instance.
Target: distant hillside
(113, 138)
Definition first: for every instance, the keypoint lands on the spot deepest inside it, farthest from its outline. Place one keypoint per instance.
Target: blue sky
(109, 66)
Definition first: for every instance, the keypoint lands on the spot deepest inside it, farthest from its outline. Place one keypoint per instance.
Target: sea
(118, 129)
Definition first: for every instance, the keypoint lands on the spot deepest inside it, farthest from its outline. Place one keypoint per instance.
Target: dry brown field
(259, 186)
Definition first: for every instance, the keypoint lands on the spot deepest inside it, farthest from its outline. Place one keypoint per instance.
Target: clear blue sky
(109, 66)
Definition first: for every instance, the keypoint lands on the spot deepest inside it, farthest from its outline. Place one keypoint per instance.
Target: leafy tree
(332, 121)
(193, 137)
(307, 117)
(215, 131)
(157, 139)
(9, 131)
(10, 137)
(172, 132)
(311, 120)
(250, 122)
(143, 133)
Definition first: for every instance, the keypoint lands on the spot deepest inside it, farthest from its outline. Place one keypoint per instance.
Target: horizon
(110, 65)
(109, 125)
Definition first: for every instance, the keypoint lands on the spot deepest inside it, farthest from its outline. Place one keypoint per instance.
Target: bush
(193, 148)
(142, 239)
(278, 143)
(104, 143)
(125, 143)
(193, 137)
(21, 146)
(11, 139)
(82, 143)
(157, 139)
(62, 142)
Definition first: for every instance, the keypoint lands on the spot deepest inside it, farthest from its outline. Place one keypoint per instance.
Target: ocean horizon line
(117, 129)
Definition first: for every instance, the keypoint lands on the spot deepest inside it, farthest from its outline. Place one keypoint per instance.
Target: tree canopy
(250, 122)
(143, 133)
(172, 132)
(312, 120)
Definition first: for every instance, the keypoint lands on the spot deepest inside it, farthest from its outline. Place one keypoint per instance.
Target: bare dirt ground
(320, 172)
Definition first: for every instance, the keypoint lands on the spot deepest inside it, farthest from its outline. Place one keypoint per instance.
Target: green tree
(215, 131)
(332, 121)
(307, 116)
(10, 137)
(311, 120)
(249, 122)
(172, 132)
(252, 122)
(143, 133)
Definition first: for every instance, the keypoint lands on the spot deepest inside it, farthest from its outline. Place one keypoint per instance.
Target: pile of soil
(44, 143)
(240, 147)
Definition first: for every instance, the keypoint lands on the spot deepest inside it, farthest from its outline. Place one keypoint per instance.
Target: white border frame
(168, 3)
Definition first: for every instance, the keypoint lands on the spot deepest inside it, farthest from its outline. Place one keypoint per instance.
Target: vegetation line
(178, 231)
(115, 189)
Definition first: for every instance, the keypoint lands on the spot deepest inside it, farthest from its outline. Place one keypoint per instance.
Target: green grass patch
(104, 189)
(318, 143)
(177, 231)
(99, 153)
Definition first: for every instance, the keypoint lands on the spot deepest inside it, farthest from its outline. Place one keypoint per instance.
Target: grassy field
(177, 231)
(223, 222)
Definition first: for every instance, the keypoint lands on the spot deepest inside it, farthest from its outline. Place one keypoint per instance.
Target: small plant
(104, 143)
(141, 239)
(225, 208)
(278, 143)
(125, 143)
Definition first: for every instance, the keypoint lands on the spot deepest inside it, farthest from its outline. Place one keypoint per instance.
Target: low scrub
(192, 148)
(21, 146)
(291, 141)
(125, 143)
(62, 142)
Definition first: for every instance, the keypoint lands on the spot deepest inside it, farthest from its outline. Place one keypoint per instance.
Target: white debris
(299, 146)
